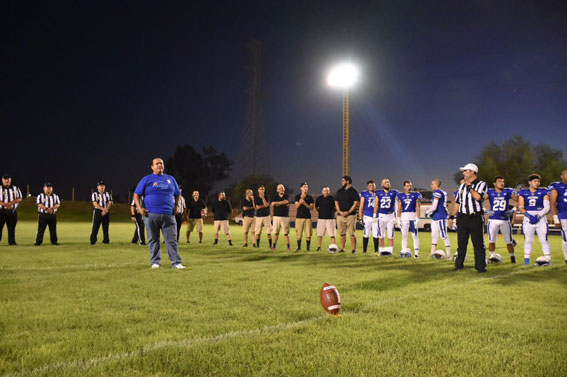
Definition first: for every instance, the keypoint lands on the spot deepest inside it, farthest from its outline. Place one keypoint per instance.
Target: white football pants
(370, 226)
(439, 228)
(386, 225)
(541, 229)
(505, 228)
(409, 226)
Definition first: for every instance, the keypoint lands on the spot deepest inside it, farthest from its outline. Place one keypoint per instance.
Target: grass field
(80, 310)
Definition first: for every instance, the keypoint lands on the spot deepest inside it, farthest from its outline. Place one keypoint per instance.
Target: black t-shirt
(304, 212)
(326, 207)
(346, 198)
(264, 211)
(250, 212)
(281, 211)
(195, 208)
(221, 209)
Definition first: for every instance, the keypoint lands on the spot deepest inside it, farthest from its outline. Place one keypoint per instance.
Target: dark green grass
(101, 311)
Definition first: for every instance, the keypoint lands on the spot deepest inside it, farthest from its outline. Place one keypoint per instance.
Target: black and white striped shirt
(134, 203)
(467, 204)
(102, 199)
(7, 194)
(48, 201)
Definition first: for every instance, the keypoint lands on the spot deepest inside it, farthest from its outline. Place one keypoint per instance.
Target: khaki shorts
(265, 221)
(300, 225)
(326, 225)
(249, 223)
(221, 224)
(280, 222)
(192, 223)
(346, 224)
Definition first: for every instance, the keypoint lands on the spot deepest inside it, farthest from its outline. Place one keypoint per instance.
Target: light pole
(344, 76)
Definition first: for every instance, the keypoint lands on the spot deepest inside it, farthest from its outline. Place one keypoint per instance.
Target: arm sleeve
(57, 200)
(38, 200)
(93, 197)
(434, 205)
(545, 209)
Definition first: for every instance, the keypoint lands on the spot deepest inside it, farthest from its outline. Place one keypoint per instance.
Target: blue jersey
(386, 201)
(561, 189)
(369, 202)
(441, 210)
(159, 193)
(500, 202)
(533, 201)
(409, 201)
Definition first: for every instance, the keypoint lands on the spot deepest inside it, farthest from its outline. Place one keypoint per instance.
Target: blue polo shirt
(159, 193)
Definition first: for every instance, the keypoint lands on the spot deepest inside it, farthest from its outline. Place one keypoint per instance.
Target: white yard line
(82, 364)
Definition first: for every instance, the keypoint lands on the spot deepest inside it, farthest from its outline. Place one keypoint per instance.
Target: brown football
(330, 298)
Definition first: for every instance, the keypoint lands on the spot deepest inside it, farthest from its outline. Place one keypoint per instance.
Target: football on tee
(333, 248)
(330, 299)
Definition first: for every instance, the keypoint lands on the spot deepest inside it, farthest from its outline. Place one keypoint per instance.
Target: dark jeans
(471, 226)
(98, 219)
(10, 218)
(46, 220)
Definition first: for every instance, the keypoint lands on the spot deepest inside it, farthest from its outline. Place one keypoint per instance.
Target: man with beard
(385, 208)
(346, 201)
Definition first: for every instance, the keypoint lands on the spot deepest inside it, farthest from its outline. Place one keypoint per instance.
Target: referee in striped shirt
(47, 205)
(102, 201)
(470, 218)
(10, 198)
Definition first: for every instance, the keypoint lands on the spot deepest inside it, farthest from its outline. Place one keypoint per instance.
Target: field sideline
(81, 310)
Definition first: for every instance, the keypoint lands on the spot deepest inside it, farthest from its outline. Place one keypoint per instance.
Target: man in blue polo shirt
(161, 194)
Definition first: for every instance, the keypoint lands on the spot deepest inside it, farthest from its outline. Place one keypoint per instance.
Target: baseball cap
(100, 183)
(47, 184)
(469, 166)
(6, 176)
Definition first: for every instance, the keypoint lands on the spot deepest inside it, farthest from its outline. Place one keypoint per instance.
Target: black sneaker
(353, 251)
(245, 245)
(319, 249)
(513, 260)
(37, 244)
(341, 250)
(298, 249)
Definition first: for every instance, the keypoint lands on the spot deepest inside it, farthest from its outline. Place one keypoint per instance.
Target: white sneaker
(179, 266)
(155, 265)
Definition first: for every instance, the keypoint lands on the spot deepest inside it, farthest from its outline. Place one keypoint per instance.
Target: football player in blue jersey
(409, 207)
(367, 216)
(558, 201)
(533, 203)
(499, 216)
(439, 215)
(386, 211)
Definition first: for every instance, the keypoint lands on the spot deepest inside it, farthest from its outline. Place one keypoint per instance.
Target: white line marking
(82, 364)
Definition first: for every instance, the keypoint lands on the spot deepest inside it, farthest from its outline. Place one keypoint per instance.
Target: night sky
(94, 89)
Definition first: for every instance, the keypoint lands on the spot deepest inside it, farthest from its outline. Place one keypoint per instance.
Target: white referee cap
(469, 166)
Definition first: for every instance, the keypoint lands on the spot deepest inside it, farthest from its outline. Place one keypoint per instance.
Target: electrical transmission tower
(253, 155)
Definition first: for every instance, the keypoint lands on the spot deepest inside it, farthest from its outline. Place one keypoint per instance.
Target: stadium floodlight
(344, 76)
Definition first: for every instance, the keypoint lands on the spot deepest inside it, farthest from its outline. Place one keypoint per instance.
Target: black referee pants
(99, 219)
(46, 220)
(179, 220)
(140, 230)
(471, 226)
(10, 218)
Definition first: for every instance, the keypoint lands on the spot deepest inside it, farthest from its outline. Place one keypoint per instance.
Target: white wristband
(556, 219)
(374, 216)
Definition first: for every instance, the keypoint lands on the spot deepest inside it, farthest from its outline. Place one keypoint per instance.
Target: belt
(470, 214)
(8, 210)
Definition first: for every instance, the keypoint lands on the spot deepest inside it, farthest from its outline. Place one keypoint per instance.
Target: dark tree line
(515, 159)
(198, 170)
